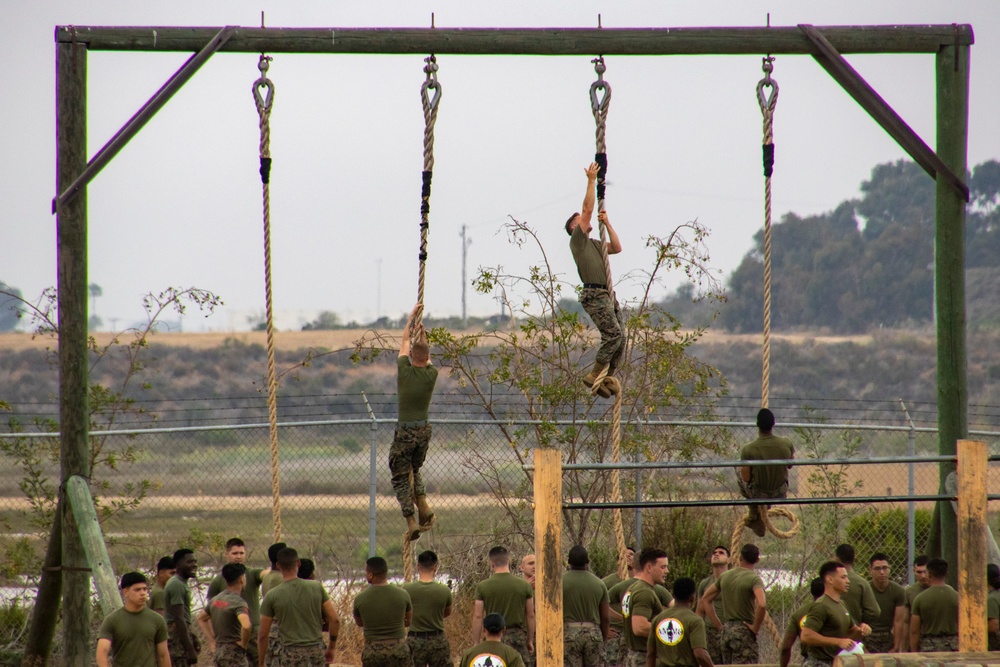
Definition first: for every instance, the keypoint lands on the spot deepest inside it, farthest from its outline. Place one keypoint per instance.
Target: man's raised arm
(404, 347)
(587, 210)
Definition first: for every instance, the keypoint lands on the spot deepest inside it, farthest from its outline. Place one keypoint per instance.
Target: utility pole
(378, 290)
(465, 246)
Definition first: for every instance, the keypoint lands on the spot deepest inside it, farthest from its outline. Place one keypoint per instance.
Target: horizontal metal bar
(526, 41)
(679, 465)
(843, 500)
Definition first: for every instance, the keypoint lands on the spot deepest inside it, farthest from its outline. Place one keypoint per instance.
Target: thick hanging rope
(599, 107)
(767, 104)
(263, 103)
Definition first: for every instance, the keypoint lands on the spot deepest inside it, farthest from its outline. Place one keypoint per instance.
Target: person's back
(296, 606)
(383, 612)
(934, 615)
(492, 652)
(677, 635)
(431, 602)
(585, 613)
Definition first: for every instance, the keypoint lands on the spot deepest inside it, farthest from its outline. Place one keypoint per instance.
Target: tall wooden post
(71, 221)
(949, 274)
(548, 563)
(971, 565)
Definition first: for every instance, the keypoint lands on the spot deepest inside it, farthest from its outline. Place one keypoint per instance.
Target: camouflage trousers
(390, 653)
(582, 645)
(176, 647)
(408, 451)
(231, 655)
(878, 642)
(517, 639)
(613, 649)
(751, 491)
(607, 317)
(739, 644)
(430, 651)
(634, 658)
(713, 637)
(810, 661)
(273, 656)
(939, 643)
(303, 656)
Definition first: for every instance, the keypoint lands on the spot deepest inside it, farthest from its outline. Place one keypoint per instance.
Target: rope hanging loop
(767, 102)
(430, 84)
(599, 105)
(263, 101)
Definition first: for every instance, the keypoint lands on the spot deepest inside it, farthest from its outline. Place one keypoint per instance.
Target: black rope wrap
(425, 195)
(602, 171)
(768, 160)
(265, 170)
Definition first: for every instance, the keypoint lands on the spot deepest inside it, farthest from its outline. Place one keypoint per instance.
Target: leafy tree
(327, 320)
(11, 308)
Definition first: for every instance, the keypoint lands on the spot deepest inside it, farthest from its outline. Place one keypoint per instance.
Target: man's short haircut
(650, 555)
(273, 550)
(288, 560)
(499, 556)
(494, 623)
(685, 589)
(568, 221)
(231, 572)
(829, 567)
(878, 555)
(921, 560)
(130, 579)
(165, 563)
(180, 554)
(724, 548)
(427, 560)
(765, 420)
(816, 588)
(420, 351)
(234, 542)
(750, 554)
(993, 575)
(845, 554)
(377, 566)
(937, 568)
(306, 568)
(578, 556)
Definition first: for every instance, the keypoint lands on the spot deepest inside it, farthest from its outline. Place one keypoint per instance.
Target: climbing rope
(263, 103)
(767, 104)
(430, 105)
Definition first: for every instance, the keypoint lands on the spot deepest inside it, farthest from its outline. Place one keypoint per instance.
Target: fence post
(911, 520)
(971, 515)
(372, 480)
(548, 570)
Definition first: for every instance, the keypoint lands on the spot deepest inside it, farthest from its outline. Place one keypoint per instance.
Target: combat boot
(412, 528)
(592, 376)
(424, 511)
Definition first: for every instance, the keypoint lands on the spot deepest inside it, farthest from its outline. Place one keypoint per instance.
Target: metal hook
(767, 101)
(263, 102)
(431, 83)
(600, 84)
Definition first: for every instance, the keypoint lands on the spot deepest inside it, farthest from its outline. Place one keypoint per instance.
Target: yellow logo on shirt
(670, 631)
(802, 623)
(487, 660)
(626, 600)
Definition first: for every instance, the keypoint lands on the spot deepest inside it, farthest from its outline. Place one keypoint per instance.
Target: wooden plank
(548, 558)
(82, 504)
(526, 41)
(972, 526)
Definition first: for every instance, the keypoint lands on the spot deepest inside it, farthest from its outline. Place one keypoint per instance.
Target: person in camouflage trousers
(583, 646)
(739, 644)
(385, 653)
(431, 605)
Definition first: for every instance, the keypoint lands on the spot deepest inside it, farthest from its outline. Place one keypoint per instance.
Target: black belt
(594, 286)
(413, 424)
(424, 635)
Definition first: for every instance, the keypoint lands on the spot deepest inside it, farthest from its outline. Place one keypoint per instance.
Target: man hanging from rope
(596, 297)
(770, 481)
(415, 378)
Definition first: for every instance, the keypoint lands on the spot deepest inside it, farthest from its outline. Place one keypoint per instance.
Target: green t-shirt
(491, 654)
(155, 599)
(505, 594)
(414, 387)
(382, 610)
(250, 594)
(270, 580)
(587, 255)
(618, 591)
(676, 633)
(639, 600)
(133, 636)
(297, 606)
(887, 600)
(937, 608)
(912, 591)
(583, 595)
(736, 587)
(610, 582)
(860, 600)
(795, 624)
(177, 592)
(768, 479)
(829, 618)
(717, 602)
(430, 599)
(224, 609)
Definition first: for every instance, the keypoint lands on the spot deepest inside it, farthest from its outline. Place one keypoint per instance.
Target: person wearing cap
(225, 620)
(134, 635)
(511, 597)
(181, 639)
(744, 607)
(431, 600)
(677, 637)
(236, 552)
(769, 481)
(384, 612)
(492, 652)
(719, 560)
(164, 570)
(586, 613)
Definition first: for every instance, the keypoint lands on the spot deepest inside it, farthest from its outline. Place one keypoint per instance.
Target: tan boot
(412, 528)
(610, 387)
(590, 378)
(424, 511)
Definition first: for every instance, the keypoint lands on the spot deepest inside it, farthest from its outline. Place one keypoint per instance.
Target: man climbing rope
(415, 378)
(596, 297)
(764, 481)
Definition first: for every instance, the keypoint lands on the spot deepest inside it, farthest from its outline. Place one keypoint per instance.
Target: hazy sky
(180, 206)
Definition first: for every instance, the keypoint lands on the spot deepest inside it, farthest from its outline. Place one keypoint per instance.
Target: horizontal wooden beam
(525, 41)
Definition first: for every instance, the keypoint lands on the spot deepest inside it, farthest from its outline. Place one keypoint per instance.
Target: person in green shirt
(299, 607)
(912, 591)
(827, 627)
(511, 597)
(431, 600)
(612, 647)
(164, 570)
(415, 379)
(586, 619)
(182, 642)
(934, 617)
(492, 652)
(993, 607)
(236, 552)
(641, 604)
(888, 627)
(719, 560)
(794, 627)
(744, 606)
(225, 620)
(384, 612)
(859, 598)
(677, 637)
(765, 481)
(133, 635)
